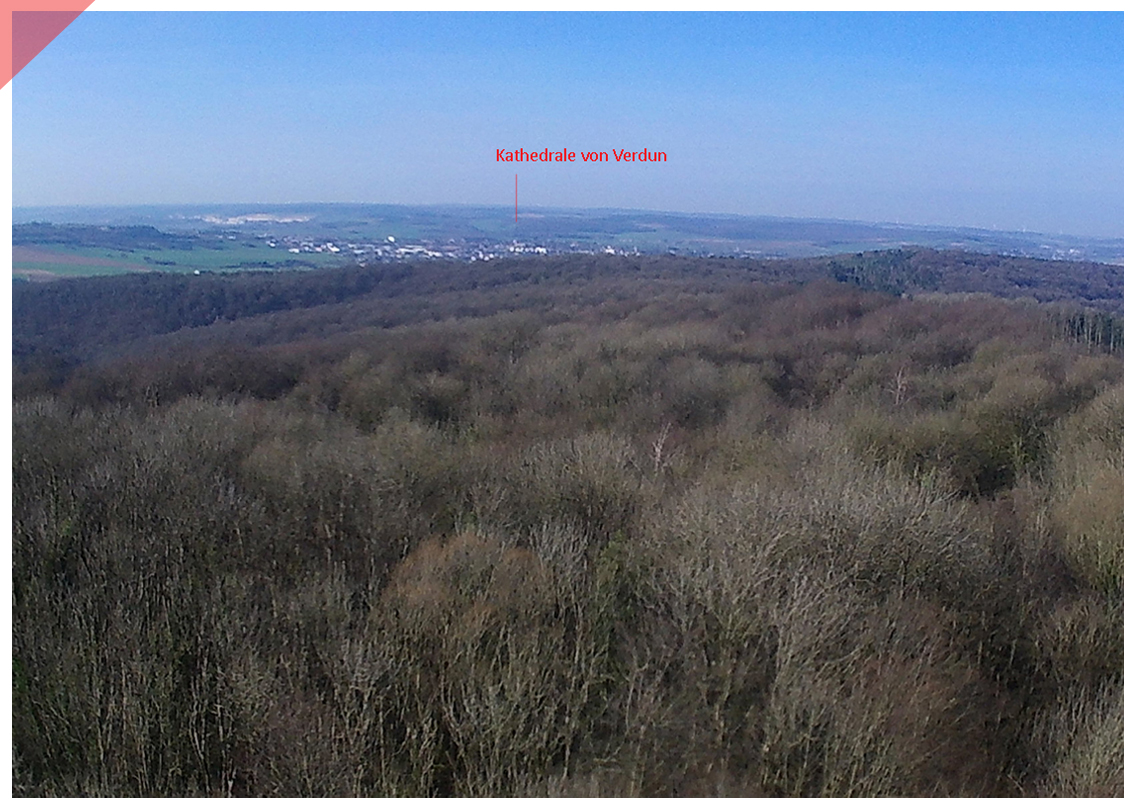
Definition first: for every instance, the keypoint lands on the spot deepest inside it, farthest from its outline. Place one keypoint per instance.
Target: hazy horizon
(262, 207)
(1008, 122)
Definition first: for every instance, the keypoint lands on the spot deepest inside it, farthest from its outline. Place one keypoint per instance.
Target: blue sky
(1010, 121)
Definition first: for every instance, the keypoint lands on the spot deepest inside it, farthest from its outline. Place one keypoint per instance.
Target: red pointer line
(517, 198)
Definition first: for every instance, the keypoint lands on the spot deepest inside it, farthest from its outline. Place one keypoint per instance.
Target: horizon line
(691, 214)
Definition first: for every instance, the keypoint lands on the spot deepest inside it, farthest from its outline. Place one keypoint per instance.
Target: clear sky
(1009, 121)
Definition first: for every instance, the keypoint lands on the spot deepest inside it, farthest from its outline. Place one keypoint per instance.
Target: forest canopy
(574, 526)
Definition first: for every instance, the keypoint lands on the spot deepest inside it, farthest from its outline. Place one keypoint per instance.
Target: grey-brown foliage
(771, 541)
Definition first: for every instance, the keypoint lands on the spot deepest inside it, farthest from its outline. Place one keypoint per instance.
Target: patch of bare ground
(37, 275)
(29, 255)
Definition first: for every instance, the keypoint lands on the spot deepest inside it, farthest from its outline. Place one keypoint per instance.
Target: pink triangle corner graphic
(34, 30)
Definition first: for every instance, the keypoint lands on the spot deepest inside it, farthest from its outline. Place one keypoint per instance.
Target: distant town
(235, 237)
(390, 249)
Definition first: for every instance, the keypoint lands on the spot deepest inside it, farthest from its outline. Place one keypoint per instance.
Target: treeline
(82, 319)
(917, 270)
(664, 535)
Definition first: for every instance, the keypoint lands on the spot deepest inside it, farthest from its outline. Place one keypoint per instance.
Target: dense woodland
(581, 526)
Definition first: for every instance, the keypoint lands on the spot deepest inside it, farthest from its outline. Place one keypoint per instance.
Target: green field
(73, 261)
(32, 270)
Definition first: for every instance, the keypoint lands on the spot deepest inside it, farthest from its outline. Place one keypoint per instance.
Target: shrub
(1083, 737)
(1087, 504)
